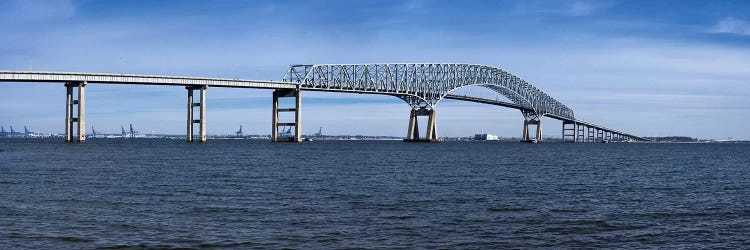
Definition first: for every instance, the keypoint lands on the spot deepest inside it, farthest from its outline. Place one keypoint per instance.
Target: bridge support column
(580, 133)
(413, 134)
(531, 118)
(525, 136)
(189, 132)
(285, 136)
(569, 134)
(432, 127)
(539, 131)
(191, 117)
(538, 137)
(75, 119)
(597, 137)
(69, 113)
(202, 124)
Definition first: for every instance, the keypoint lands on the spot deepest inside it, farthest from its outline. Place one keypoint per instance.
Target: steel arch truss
(424, 85)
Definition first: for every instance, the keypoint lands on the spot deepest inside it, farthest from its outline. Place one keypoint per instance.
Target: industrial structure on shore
(25, 134)
(420, 85)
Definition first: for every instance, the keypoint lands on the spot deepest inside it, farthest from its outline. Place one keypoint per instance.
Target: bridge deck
(26, 76)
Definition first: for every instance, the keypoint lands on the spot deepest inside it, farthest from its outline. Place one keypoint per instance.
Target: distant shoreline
(369, 138)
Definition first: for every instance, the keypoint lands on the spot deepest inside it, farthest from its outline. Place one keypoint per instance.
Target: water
(111, 193)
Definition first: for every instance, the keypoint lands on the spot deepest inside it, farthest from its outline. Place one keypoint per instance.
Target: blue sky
(653, 68)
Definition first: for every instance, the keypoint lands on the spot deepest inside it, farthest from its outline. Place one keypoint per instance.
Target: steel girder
(425, 84)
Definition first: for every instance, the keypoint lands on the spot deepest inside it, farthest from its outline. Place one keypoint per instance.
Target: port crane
(239, 132)
(320, 132)
(27, 132)
(288, 132)
(133, 132)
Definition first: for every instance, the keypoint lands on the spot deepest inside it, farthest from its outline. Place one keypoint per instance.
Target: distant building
(486, 137)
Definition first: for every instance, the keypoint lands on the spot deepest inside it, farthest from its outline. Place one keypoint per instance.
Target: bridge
(421, 85)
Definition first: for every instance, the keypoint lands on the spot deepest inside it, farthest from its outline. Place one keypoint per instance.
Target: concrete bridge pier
(75, 119)
(413, 132)
(191, 121)
(569, 133)
(594, 135)
(412, 135)
(538, 137)
(297, 124)
(539, 131)
(580, 133)
(531, 118)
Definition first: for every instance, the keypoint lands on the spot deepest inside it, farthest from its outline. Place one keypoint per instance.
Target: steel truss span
(425, 84)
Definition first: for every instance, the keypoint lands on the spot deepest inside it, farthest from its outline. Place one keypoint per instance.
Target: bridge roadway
(75, 104)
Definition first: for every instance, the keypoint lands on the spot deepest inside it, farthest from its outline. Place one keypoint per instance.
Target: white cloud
(733, 26)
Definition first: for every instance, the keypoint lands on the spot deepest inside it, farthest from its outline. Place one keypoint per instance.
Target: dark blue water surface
(153, 193)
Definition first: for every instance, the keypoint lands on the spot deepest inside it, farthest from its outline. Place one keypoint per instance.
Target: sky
(651, 68)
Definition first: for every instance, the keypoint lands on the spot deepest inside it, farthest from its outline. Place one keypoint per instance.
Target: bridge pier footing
(412, 134)
(75, 119)
(297, 124)
(191, 121)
